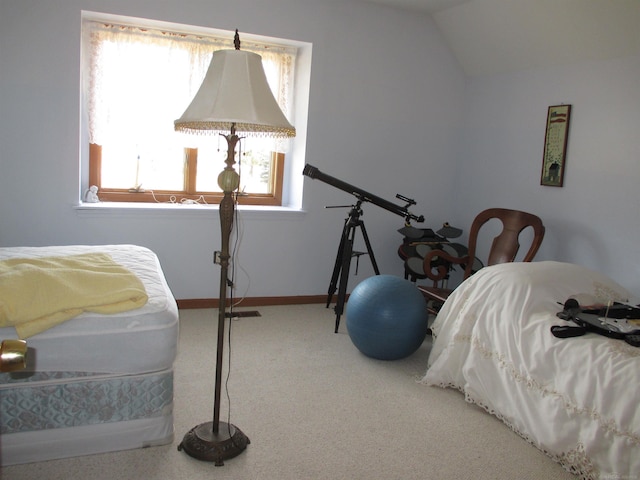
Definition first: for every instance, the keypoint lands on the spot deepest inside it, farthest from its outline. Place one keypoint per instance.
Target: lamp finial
(236, 40)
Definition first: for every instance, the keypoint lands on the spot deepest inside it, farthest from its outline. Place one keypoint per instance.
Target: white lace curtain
(140, 80)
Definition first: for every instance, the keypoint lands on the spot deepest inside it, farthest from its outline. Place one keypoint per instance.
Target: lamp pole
(216, 441)
(228, 180)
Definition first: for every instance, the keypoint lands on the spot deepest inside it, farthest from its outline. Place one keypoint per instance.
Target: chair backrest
(505, 246)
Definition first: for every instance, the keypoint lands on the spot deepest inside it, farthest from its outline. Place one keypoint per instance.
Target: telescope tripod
(340, 275)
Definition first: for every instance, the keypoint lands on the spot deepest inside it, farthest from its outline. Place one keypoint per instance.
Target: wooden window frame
(190, 192)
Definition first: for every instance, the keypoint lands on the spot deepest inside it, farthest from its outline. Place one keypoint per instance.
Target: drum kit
(418, 242)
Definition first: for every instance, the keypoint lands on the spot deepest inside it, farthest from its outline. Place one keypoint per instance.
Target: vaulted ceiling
(498, 36)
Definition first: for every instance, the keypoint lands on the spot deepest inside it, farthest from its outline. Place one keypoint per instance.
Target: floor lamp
(234, 97)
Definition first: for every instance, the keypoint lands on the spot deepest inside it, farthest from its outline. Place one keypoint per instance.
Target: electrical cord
(239, 222)
(184, 201)
(233, 262)
(231, 290)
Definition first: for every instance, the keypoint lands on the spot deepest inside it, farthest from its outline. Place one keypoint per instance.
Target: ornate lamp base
(200, 442)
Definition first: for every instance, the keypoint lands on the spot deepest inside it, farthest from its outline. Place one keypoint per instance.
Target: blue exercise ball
(386, 317)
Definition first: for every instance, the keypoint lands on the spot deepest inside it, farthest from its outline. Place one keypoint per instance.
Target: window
(137, 80)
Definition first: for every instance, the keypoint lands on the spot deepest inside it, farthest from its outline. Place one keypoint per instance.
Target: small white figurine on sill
(91, 195)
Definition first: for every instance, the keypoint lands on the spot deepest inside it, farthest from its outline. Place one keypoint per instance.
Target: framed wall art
(555, 145)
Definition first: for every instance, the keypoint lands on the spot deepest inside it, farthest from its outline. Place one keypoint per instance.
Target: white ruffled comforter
(576, 399)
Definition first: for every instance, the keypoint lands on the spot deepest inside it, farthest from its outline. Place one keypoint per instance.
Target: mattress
(94, 383)
(141, 340)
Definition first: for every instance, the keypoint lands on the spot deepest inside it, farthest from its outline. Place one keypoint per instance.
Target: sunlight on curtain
(141, 80)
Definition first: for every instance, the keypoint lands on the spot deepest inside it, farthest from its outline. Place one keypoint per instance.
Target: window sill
(164, 209)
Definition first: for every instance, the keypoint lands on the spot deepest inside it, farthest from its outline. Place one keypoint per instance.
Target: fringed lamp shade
(235, 92)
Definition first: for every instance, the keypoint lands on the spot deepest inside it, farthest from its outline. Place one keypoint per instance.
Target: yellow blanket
(40, 293)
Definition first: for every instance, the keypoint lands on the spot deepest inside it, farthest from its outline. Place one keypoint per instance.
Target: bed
(573, 398)
(96, 382)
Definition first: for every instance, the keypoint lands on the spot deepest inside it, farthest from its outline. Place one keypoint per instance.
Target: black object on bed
(616, 321)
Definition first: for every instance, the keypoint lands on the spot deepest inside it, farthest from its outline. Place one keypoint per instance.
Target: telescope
(340, 275)
(364, 196)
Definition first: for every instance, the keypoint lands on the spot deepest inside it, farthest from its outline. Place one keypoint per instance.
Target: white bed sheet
(139, 341)
(575, 399)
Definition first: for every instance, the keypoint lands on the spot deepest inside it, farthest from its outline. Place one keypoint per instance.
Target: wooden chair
(504, 248)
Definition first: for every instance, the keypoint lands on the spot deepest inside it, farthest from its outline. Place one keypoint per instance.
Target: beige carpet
(314, 407)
